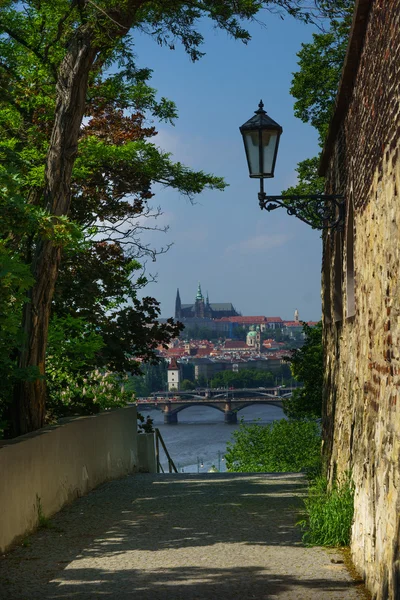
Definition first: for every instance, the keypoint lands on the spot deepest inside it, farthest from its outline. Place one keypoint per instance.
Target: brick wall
(362, 401)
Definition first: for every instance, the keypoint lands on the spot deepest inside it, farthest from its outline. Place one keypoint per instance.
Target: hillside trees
(251, 378)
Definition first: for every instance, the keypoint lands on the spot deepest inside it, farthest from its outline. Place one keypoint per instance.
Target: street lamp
(261, 141)
(261, 136)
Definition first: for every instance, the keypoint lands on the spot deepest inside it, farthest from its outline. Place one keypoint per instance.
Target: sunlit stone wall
(361, 298)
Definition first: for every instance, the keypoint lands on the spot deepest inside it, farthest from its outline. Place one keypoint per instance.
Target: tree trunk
(30, 395)
(72, 84)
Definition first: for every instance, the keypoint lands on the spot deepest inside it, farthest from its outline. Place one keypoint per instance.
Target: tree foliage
(280, 446)
(315, 85)
(151, 378)
(307, 367)
(243, 378)
(78, 165)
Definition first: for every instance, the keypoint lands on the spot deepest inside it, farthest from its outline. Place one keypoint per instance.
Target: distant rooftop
(252, 320)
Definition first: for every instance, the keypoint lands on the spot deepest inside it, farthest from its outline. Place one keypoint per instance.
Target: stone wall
(147, 453)
(361, 297)
(44, 470)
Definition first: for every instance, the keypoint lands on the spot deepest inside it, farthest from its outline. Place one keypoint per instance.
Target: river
(199, 440)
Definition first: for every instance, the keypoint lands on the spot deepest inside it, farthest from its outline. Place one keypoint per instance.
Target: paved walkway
(178, 537)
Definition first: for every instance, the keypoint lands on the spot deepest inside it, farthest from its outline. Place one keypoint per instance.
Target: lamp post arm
(320, 211)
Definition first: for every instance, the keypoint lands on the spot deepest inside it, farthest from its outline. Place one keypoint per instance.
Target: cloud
(195, 236)
(258, 243)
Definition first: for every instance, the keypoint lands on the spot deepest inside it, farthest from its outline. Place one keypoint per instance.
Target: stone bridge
(230, 407)
(215, 393)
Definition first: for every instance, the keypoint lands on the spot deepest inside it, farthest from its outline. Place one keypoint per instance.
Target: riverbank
(200, 437)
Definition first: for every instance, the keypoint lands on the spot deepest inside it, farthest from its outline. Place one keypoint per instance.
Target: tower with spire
(207, 309)
(199, 307)
(178, 306)
(202, 308)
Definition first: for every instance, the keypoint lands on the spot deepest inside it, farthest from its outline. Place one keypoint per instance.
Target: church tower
(178, 306)
(174, 376)
(296, 315)
(199, 304)
(208, 309)
(258, 339)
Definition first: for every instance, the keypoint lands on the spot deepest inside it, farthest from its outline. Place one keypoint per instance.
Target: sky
(264, 263)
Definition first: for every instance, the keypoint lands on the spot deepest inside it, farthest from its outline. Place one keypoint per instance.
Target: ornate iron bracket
(320, 211)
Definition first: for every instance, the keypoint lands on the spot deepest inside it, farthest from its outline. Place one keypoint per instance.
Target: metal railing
(171, 465)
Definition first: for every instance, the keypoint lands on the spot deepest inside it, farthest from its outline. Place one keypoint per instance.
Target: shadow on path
(171, 537)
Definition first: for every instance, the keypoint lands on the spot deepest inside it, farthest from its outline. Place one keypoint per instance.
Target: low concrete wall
(147, 453)
(43, 471)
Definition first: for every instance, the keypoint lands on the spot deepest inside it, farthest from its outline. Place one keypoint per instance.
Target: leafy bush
(307, 366)
(281, 446)
(145, 424)
(15, 280)
(329, 513)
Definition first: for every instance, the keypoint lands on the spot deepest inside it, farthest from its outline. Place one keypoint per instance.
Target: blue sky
(264, 263)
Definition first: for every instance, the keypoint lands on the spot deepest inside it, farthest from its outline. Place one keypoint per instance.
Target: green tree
(315, 85)
(201, 381)
(307, 368)
(280, 446)
(15, 280)
(54, 54)
(245, 378)
(187, 385)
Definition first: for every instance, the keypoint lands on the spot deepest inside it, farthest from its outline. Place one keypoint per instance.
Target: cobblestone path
(177, 537)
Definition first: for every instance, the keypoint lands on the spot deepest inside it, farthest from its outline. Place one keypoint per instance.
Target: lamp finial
(260, 108)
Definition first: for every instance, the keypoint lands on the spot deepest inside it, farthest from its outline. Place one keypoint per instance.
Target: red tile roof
(235, 344)
(173, 365)
(251, 320)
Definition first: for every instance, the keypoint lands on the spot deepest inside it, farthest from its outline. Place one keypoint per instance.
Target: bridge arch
(276, 403)
(178, 409)
(228, 408)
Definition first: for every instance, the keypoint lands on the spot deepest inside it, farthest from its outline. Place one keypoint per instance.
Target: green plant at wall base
(329, 513)
(281, 446)
(43, 521)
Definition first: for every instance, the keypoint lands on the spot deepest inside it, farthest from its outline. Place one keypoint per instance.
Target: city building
(253, 339)
(174, 376)
(246, 322)
(202, 308)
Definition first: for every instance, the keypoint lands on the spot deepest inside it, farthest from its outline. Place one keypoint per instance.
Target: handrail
(171, 465)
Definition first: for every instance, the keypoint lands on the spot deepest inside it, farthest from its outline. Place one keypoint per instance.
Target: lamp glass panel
(269, 141)
(253, 156)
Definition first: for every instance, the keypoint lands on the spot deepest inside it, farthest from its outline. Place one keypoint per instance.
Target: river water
(199, 440)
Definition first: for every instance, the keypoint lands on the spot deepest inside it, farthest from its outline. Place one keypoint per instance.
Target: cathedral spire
(178, 305)
(199, 294)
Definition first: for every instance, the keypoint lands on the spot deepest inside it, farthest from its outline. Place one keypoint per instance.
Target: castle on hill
(202, 308)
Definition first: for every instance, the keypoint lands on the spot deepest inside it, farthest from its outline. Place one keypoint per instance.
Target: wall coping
(60, 423)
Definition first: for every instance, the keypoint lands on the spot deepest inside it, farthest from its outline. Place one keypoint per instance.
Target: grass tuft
(329, 513)
(43, 521)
